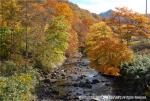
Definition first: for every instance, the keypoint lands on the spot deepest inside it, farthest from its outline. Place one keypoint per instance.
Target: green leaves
(138, 71)
(138, 68)
(56, 43)
(5, 40)
(57, 34)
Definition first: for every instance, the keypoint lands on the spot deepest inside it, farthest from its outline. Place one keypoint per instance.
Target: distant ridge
(106, 14)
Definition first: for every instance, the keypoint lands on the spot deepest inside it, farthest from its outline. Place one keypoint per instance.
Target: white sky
(98, 6)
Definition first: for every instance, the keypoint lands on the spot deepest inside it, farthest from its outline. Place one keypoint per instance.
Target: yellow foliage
(17, 87)
(10, 13)
(100, 29)
(64, 9)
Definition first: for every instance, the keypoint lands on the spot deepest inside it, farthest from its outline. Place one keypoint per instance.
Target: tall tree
(105, 52)
(73, 44)
(52, 51)
(10, 27)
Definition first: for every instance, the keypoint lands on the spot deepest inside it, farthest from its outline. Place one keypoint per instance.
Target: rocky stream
(76, 81)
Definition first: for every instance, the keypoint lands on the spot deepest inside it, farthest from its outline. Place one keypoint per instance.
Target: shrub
(138, 72)
(138, 69)
(18, 87)
(11, 41)
(8, 68)
(5, 34)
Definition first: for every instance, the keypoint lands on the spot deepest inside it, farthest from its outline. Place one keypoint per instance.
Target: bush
(11, 41)
(8, 68)
(138, 70)
(5, 34)
(18, 87)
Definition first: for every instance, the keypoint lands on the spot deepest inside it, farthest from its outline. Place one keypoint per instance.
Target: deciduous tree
(11, 31)
(53, 50)
(128, 24)
(73, 44)
(105, 52)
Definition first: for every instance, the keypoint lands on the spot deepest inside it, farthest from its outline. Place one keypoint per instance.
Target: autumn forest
(53, 50)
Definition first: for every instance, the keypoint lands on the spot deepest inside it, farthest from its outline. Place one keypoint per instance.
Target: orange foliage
(105, 50)
(59, 8)
(56, 8)
(108, 70)
(81, 30)
(79, 18)
(126, 24)
(88, 22)
(108, 51)
(73, 44)
(63, 9)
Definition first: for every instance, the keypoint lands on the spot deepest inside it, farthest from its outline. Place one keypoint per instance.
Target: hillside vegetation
(38, 36)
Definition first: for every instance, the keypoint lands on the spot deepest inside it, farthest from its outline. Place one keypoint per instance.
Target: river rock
(81, 77)
(95, 81)
(107, 84)
(83, 85)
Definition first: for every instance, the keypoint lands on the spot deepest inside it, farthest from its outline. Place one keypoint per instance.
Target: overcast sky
(98, 6)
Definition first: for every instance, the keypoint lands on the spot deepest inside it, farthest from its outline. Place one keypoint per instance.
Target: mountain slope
(106, 14)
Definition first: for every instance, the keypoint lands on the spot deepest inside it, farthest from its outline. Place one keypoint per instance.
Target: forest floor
(75, 81)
